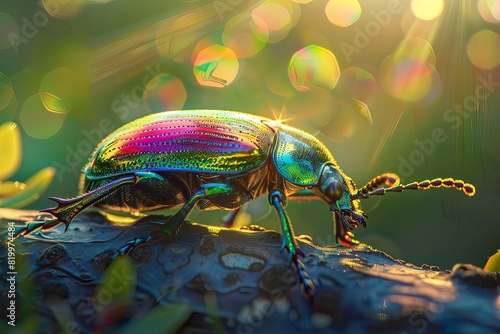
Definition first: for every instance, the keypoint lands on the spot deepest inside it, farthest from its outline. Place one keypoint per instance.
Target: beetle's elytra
(221, 160)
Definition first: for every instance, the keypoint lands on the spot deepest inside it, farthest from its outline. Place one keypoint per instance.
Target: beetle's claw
(294, 252)
(53, 212)
(306, 284)
(359, 218)
(347, 224)
(28, 228)
(60, 210)
(353, 221)
(292, 255)
(129, 245)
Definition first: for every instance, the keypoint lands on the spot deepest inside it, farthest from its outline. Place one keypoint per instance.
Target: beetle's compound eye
(334, 191)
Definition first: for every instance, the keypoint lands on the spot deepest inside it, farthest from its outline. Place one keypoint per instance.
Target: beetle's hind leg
(172, 227)
(67, 209)
(278, 200)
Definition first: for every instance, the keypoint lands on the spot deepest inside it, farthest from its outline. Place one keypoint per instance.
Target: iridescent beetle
(221, 160)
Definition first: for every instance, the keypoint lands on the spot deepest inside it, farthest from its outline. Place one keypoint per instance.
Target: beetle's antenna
(467, 188)
(389, 179)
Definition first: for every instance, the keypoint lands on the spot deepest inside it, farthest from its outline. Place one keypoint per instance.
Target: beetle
(221, 160)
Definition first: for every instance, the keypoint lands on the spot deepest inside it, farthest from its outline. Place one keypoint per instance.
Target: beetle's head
(337, 189)
(340, 192)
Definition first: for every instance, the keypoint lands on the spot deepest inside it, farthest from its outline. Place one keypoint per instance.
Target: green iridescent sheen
(193, 141)
(299, 157)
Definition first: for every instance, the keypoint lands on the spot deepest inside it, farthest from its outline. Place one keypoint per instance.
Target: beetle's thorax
(299, 157)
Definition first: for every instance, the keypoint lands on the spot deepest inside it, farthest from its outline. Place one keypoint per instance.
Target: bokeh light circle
(173, 39)
(258, 209)
(9, 31)
(343, 13)
(8, 100)
(435, 89)
(486, 12)
(313, 65)
(275, 18)
(259, 28)
(6, 91)
(8, 111)
(37, 121)
(483, 49)
(63, 9)
(494, 7)
(310, 110)
(349, 118)
(26, 82)
(215, 66)
(358, 84)
(405, 77)
(427, 9)
(410, 26)
(164, 92)
(279, 87)
(245, 34)
(308, 36)
(418, 48)
(62, 90)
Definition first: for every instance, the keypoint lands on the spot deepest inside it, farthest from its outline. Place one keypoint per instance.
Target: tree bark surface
(210, 279)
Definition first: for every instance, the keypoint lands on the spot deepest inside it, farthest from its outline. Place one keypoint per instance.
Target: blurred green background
(411, 87)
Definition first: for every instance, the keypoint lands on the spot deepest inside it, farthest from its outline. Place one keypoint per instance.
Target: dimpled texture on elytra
(192, 141)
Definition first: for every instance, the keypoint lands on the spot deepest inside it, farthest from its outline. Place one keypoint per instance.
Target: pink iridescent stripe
(182, 136)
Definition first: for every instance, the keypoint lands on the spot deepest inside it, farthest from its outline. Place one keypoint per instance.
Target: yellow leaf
(10, 149)
(493, 263)
(10, 188)
(35, 186)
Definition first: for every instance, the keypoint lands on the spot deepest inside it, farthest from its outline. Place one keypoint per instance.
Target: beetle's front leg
(278, 199)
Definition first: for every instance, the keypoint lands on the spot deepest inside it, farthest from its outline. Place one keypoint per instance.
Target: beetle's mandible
(221, 160)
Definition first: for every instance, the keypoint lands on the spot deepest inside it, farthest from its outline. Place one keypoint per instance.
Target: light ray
(119, 56)
(424, 32)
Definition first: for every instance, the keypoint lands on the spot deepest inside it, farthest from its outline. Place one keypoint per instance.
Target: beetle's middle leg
(209, 191)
